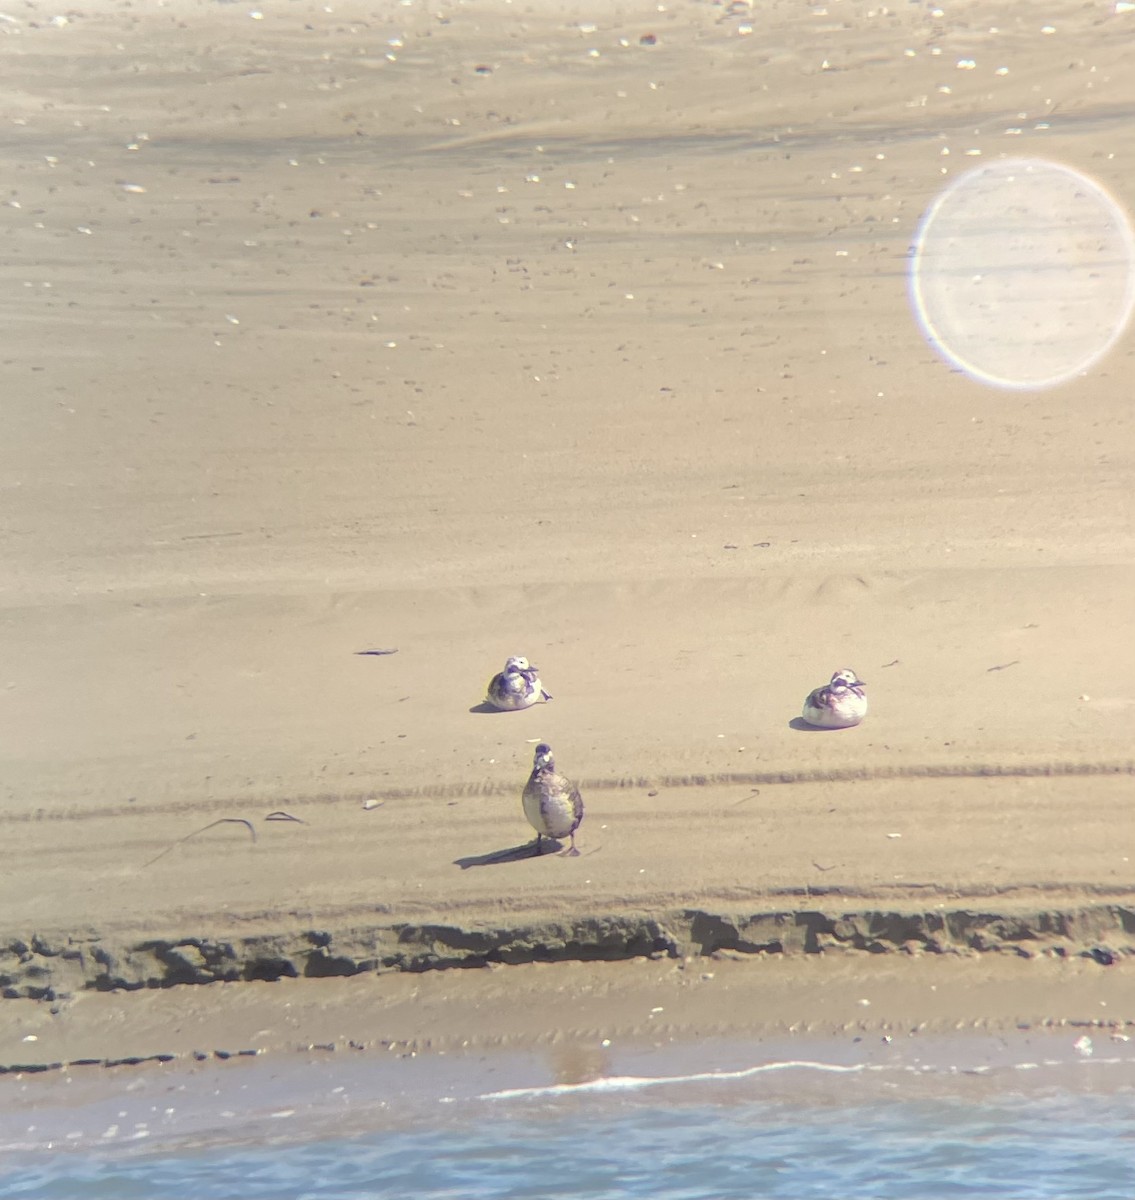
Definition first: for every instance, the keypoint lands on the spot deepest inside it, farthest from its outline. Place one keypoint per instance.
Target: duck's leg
(539, 847)
(572, 852)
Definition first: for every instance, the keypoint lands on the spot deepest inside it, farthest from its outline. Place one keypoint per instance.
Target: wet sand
(574, 1012)
(233, 1062)
(437, 332)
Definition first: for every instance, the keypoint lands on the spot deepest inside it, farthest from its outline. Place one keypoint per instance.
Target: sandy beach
(462, 331)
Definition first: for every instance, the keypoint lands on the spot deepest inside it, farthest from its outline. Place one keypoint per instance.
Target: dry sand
(467, 330)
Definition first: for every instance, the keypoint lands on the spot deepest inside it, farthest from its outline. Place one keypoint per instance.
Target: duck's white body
(839, 704)
(552, 804)
(517, 686)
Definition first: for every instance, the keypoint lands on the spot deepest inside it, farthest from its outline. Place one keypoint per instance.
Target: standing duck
(552, 804)
(838, 705)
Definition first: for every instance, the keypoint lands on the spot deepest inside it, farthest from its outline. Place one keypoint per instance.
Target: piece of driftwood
(218, 821)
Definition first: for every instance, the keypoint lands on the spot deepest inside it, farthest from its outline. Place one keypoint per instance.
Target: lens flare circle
(1023, 273)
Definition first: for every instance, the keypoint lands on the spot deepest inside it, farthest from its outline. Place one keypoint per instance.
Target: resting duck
(517, 686)
(838, 705)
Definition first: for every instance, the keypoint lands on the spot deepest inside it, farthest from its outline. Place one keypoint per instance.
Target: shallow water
(1029, 1126)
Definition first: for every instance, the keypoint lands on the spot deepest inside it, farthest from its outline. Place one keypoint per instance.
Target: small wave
(624, 1083)
(629, 1083)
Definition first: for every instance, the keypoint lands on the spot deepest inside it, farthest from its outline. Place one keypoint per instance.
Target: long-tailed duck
(838, 705)
(552, 804)
(517, 686)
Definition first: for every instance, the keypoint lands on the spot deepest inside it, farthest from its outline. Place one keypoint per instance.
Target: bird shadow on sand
(512, 854)
(800, 724)
(485, 707)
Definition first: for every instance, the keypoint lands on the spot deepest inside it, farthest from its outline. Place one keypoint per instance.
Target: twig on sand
(394, 650)
(283, 816)
(218, 821)
(752, 793)
(1002, 666)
